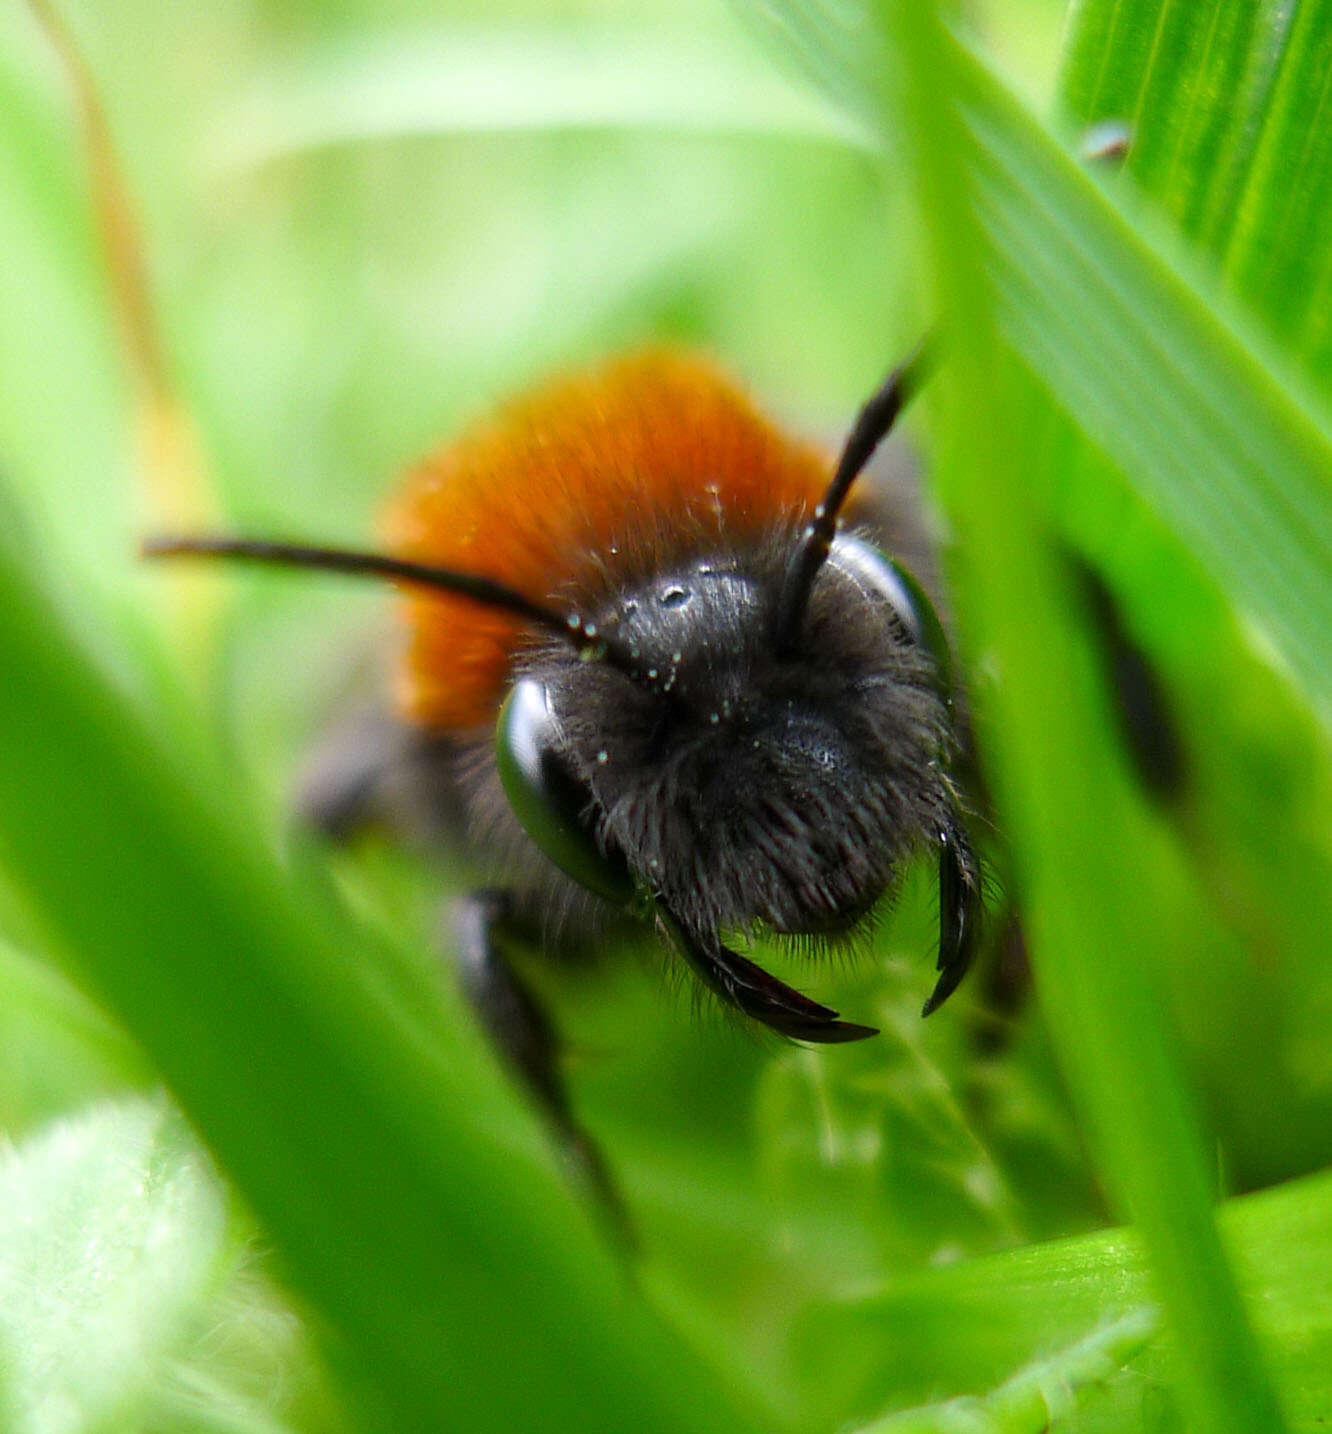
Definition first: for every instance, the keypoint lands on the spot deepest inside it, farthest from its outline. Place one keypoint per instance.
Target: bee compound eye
(883, 578)
(547, 798)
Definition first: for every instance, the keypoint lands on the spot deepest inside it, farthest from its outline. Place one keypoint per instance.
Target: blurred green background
(361, 225)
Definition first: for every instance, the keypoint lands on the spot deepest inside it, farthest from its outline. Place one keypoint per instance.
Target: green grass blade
(1112, 317)
(960, 1331)
(1191, 83)
(1051, 1388)
(1277, 254)
(1092, 939)
(1204, 90)
(1228, 139)
(394, 1173)
(1229, 108)
(1211, 435)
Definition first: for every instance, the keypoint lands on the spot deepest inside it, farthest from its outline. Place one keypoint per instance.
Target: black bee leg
(1146, 720)
(528, 1044)
(368, 769)
(959, 913)
(338, 788)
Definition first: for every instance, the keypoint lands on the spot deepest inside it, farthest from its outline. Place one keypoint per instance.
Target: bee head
(736, 785)
(750, 788)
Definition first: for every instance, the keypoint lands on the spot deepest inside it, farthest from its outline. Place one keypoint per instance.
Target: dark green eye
(547, 798)
(885, 578)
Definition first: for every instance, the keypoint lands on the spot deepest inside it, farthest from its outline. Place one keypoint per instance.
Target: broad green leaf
(1190, 85)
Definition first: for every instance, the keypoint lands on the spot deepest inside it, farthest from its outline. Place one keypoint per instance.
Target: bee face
(739, 786)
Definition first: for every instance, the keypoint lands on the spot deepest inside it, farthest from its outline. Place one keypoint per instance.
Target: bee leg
(368, 769)
(1147, 724)
(521, 1031)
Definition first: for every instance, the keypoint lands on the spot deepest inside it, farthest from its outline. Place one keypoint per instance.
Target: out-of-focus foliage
(360, 227)
(125, 1297)
(1068, 1305)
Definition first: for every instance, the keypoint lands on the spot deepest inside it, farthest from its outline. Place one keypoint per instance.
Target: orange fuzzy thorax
(589, 481)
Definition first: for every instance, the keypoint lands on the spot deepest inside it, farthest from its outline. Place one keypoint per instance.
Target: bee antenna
(873, 424)
(573, 628)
